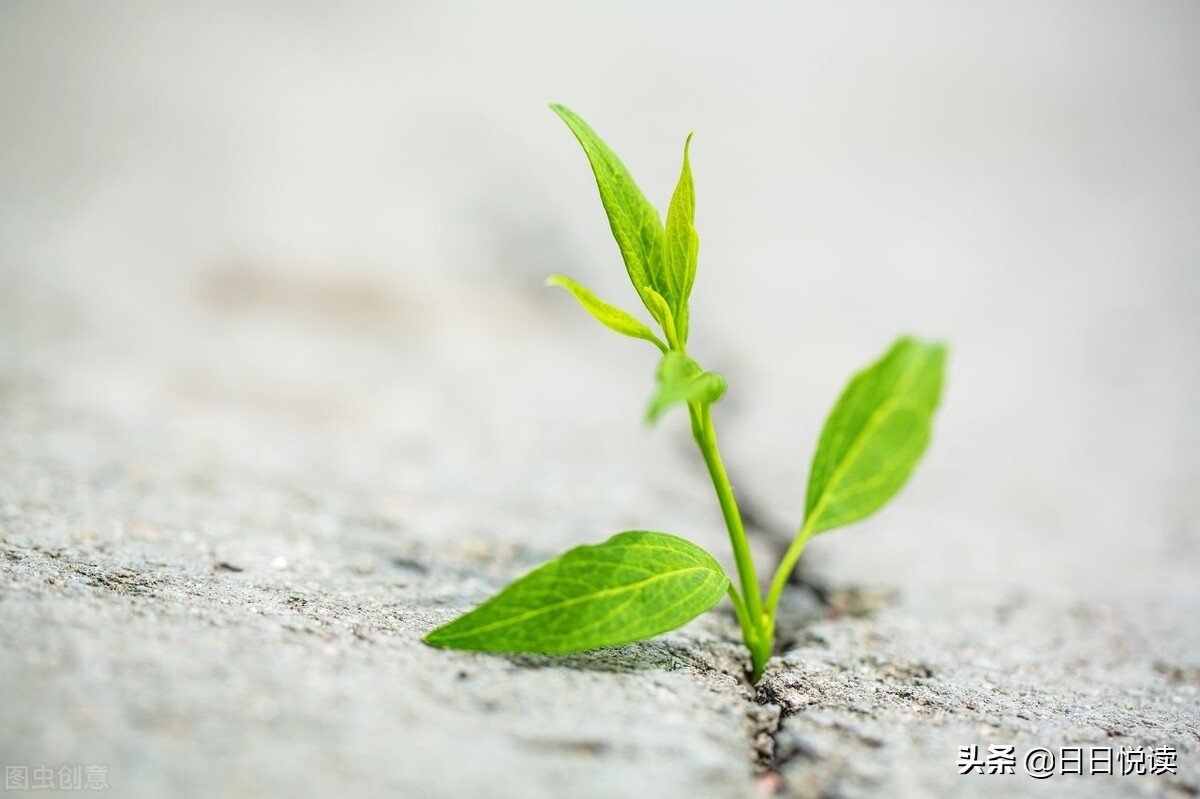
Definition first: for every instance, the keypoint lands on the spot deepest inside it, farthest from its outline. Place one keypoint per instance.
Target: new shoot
(638, 584)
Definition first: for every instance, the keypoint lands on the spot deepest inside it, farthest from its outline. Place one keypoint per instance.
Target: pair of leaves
(639, 584)
(661, 263)
(635, 585)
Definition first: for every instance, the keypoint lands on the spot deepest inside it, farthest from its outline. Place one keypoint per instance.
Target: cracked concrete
(871, 705)
(280, 391)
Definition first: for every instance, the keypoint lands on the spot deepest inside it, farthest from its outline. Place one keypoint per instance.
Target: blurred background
(267, 261)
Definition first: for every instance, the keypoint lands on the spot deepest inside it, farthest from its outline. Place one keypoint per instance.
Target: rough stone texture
(279, 392)
(873, 705)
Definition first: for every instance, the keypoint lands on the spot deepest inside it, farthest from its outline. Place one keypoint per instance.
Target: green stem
(739, 607)
(779, 581)
(756, 626)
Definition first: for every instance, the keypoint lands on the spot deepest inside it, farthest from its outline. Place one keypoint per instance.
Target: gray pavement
(280, 391)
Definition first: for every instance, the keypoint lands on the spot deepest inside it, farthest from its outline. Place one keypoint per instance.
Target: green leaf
(661, 312)
(681, 380)
(608, 315)
(875, 435)
(634, 585)
(682, 244)
(634, 221)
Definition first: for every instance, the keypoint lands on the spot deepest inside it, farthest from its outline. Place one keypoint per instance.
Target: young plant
(638, 584)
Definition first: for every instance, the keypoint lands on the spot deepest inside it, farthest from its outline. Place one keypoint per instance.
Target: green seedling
(638, 584)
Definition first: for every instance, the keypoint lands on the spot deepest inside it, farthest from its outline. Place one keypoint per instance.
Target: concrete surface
(280, 391)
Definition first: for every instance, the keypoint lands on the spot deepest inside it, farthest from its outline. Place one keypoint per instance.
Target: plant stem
(779, 581)
(739, 607)
(757, 627)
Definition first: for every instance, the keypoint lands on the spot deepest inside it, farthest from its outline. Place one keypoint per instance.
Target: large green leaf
(608, 315)
(682, 245)
(634, 585)
(681, 380)
(875, 435)
(634, 221)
